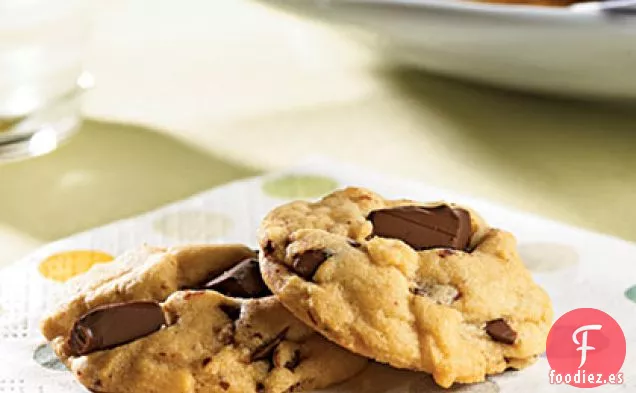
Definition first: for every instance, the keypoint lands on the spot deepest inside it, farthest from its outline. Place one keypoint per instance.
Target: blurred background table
(195, 93)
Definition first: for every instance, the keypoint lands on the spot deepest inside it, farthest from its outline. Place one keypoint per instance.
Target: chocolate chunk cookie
(192, 319)
(418, 286)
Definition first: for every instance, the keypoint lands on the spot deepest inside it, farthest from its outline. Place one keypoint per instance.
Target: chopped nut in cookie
(442, 294)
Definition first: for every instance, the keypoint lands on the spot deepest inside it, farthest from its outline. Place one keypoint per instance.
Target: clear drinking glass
(41, 76)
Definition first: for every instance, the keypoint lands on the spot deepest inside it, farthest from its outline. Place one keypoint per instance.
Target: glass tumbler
(41, 75)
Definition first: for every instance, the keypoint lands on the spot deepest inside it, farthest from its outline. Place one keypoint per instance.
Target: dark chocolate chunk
(306, 263)
(260, 387)
(224, 385)
(115, 324)
(243, 280)
(265, 350)
(500, 331)
(424, 227)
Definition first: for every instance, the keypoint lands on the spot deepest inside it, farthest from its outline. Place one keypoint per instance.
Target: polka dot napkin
(578, 268)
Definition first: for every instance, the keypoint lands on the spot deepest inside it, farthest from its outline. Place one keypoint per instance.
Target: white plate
(580, 52)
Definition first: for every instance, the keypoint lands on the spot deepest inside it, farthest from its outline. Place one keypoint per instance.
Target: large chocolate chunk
(115, 324)
(500, 331)
(306, 263)
(243, 280)
(424, 227)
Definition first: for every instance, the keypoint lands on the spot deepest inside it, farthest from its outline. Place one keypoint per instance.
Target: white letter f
(584, 347)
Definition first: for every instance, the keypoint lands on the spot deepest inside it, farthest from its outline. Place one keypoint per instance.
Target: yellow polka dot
(68, 264)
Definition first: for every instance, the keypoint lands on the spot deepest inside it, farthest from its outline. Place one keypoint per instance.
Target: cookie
(192, 319)
(425, 287)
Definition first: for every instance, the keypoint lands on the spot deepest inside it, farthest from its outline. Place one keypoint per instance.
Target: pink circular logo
(586, 348)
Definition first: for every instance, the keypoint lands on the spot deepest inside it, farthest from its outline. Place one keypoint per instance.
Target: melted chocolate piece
(243, 280)
(112, 325)
(424, 227)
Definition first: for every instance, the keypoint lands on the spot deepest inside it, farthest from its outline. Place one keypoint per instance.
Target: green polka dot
(299, 186)
(547, 257)
(46, 358)
(193, 225)
(630, 293)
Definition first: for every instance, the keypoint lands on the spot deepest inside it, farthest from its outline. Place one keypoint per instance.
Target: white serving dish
(578, 51)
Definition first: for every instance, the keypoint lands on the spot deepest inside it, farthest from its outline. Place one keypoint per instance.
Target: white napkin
(577, 267)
